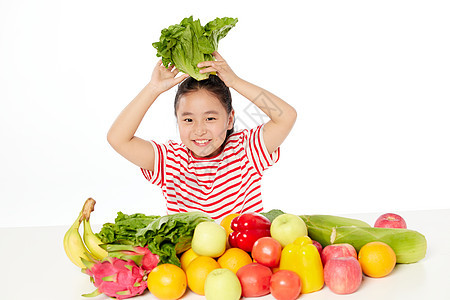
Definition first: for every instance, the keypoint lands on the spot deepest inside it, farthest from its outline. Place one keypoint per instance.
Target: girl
(213, 170)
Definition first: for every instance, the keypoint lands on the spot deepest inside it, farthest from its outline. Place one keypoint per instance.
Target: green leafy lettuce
(188, 43)
(165, 236)
(272, 214)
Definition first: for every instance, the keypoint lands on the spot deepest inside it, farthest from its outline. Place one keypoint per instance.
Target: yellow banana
(73, 244)
(92, 241)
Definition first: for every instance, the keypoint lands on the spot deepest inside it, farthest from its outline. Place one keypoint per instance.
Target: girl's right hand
(164, 79)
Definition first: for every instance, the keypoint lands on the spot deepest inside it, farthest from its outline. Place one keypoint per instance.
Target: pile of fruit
(246, 255)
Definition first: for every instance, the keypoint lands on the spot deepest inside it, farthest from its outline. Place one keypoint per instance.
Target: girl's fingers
(181, 78)
(206, 64)
(217, 55)
(202, 64)
(206, 70)
(159, 63)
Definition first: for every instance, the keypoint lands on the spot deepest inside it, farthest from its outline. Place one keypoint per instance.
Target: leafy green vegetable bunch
(188, 43)
(165, 236)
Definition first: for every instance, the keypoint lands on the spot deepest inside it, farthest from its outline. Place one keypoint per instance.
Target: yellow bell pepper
(303, 258)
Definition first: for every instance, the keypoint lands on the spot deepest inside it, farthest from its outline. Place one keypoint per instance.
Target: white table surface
(34, 266)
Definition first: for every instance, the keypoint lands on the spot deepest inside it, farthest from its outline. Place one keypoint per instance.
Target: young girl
(213, 169)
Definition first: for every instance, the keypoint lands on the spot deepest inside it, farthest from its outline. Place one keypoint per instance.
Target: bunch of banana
(87, 247)
(73, 244)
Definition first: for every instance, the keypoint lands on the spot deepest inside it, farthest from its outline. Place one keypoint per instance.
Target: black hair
(212, 84)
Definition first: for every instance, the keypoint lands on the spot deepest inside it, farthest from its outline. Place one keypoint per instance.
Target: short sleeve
(257, 150)
(157, 177)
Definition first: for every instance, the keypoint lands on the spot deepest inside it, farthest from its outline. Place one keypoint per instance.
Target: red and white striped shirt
(227, 183)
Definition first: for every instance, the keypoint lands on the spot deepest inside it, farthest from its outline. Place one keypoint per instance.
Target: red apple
(390, 220)
(337, 250)
(343, 275)
(254, 279)
(318, 246)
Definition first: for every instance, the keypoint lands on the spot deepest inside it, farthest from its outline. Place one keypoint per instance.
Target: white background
(370, 81)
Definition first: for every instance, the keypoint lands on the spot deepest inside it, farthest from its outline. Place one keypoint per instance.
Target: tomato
(267, 251)
(254, 279)
(285, 285)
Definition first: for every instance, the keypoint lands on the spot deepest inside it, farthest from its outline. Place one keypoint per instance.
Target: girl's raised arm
(121, 135)
(282, 115)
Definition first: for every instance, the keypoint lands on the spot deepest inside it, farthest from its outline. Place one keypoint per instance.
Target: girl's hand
(164, 79)
(222, 69)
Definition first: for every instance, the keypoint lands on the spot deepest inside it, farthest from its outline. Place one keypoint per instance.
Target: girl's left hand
(221, 67)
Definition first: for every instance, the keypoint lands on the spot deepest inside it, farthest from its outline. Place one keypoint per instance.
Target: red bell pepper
(247, 229)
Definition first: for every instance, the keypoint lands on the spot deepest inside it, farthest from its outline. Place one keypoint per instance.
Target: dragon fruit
(116, 278)
(142, 256)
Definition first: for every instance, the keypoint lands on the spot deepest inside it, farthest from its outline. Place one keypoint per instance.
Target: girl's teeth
(201, 141)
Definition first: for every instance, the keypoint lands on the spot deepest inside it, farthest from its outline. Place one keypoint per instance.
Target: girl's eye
(210, 119)
(188, 120)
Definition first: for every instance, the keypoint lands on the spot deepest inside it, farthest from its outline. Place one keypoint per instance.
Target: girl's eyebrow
(209, 112)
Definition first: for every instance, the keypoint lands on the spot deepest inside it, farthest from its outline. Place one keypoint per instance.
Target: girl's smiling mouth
(202, 142)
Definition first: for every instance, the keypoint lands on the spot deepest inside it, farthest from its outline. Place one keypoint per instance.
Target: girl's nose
(200, 129)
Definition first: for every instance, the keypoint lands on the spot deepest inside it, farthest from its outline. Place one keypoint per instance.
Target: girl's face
(203, 123)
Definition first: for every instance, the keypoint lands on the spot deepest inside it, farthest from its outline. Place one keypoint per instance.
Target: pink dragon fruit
(142, 256)
(116, 278)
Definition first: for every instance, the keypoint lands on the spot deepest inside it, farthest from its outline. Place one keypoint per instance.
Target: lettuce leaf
(188, 43)
(165, 236)
(272, 214)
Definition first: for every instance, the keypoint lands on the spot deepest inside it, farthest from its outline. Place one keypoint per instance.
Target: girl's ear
(231, 120)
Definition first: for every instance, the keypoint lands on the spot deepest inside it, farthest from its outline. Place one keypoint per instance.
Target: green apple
(222, 284)
(209, 239)
(287, 227)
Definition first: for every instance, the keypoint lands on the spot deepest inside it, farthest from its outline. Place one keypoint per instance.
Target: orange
(197, 271)
(233, 259)
(187, 257)
(226, 223)
(377, 259)
(167, 282)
